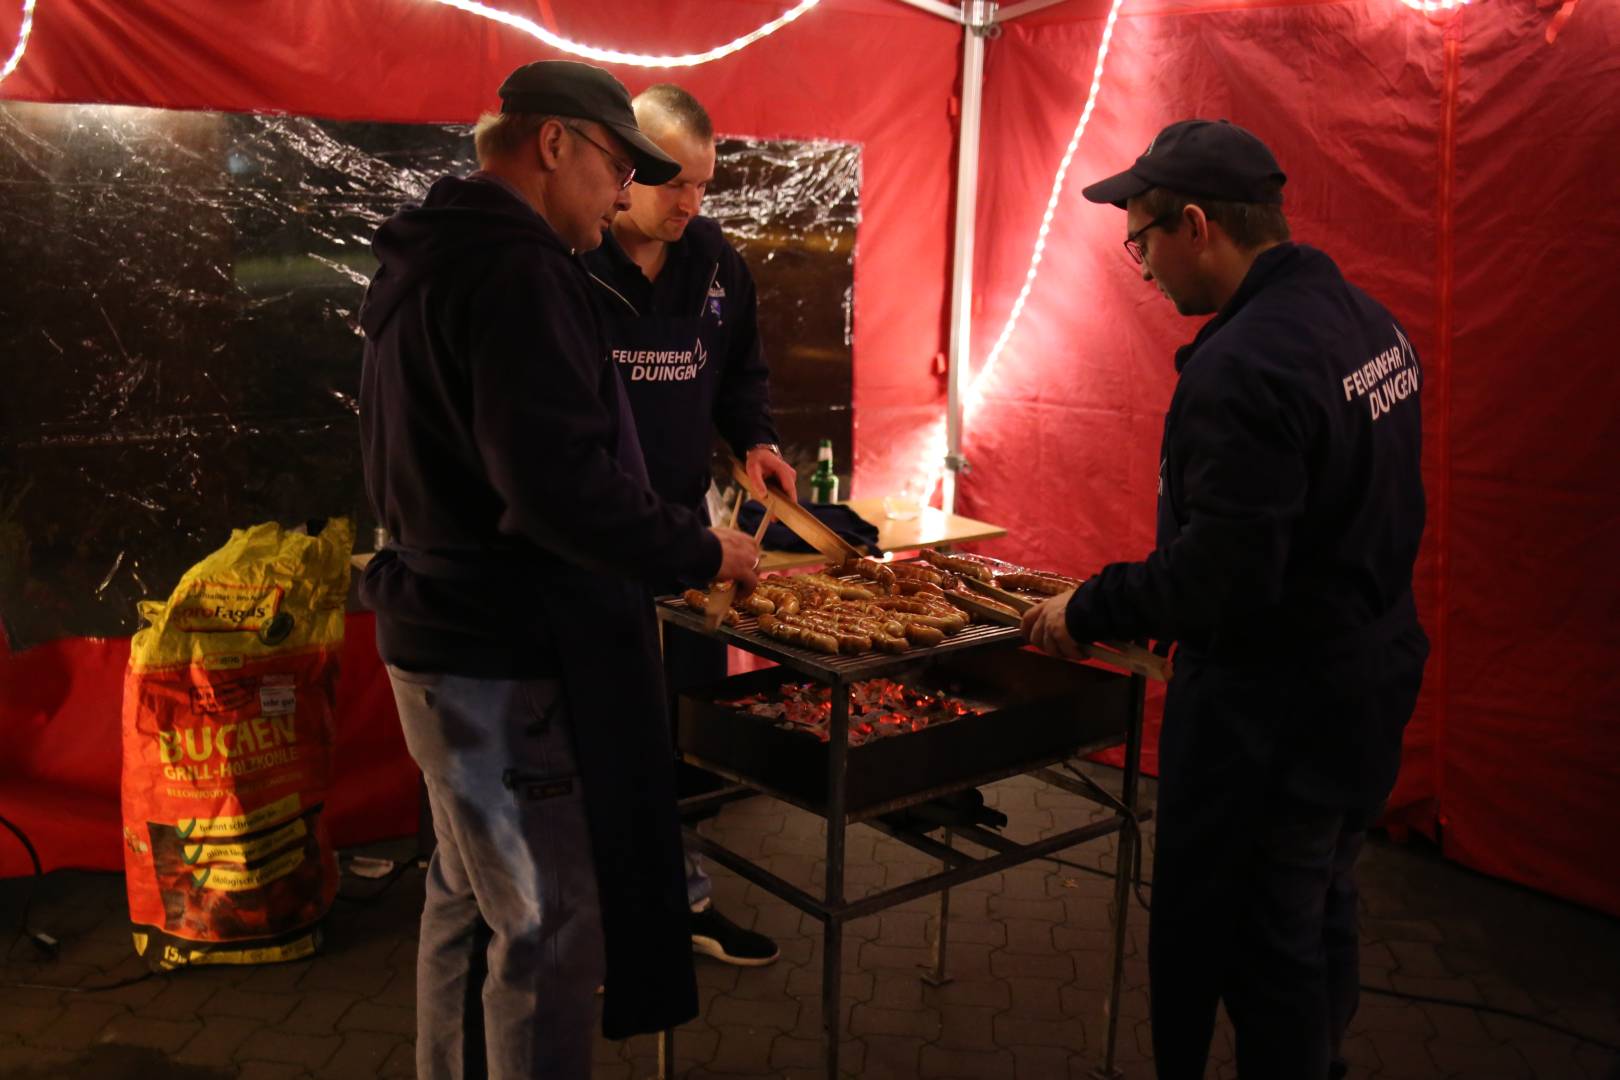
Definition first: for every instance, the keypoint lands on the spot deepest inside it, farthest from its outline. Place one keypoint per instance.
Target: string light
(22, 40)
(973, 395)
(614, 56)
(975, 391)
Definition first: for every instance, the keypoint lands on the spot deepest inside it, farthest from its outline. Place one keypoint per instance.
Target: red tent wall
(866, 71)
(1463, 173)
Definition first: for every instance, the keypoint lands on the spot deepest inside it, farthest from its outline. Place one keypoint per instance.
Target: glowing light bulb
(615, 56)
(22, 40)
(1429, 7)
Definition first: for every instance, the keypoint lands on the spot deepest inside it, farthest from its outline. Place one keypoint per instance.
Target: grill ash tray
(1039, 709)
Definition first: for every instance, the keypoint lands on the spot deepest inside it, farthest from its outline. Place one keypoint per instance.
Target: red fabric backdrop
(1460, 172)
(59, 751)
(866, 71)
(1463, 173)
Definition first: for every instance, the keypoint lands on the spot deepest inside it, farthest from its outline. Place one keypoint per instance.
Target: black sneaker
(715, 935)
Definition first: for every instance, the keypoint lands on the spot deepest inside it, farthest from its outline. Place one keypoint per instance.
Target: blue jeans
(698, 886)
(510, 951)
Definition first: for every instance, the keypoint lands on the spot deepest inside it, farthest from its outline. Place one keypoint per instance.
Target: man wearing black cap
(1289, 514)
(501, 455)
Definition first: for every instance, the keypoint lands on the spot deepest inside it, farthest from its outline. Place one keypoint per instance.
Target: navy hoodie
(497, 443)
(500, 452)
(688, 349)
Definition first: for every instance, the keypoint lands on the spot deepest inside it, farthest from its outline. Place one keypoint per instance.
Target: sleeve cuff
(759, 435)
(708, 563)
(1079, 615)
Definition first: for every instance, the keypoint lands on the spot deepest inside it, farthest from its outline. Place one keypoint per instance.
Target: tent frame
(980, 20)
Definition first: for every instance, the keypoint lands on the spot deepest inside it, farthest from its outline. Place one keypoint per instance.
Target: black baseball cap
(1213, 158)
(567, 88)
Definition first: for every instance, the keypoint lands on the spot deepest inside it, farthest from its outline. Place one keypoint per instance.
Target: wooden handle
(720, 593)
(1122, 654)
(1132, 658)
(736, 507)
(717, 604)
(809, 528)
(764, 523)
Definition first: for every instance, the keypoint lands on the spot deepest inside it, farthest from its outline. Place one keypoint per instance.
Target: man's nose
(690, 201)
(621, 201)
(1147, 272)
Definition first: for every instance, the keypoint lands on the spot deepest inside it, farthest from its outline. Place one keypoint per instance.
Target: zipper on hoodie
(615, 292)
(703, 300)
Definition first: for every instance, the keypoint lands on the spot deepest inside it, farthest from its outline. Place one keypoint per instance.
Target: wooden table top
(929, 528)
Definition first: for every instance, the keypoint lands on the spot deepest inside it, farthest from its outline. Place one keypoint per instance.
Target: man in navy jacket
(512, 608)
(680, 310)
(1289, 515)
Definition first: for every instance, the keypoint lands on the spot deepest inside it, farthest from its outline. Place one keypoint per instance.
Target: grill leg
(937, 976)
(832, 984)
(666, 1054)
(1129, 838)
(832, 957)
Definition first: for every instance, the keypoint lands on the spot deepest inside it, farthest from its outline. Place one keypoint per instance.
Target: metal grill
(1028, 732)
(834, 669)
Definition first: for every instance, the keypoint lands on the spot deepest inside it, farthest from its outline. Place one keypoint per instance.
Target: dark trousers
(1254, 904)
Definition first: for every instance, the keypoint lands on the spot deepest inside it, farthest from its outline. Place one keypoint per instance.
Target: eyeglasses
(1133, 242)
(626, 172)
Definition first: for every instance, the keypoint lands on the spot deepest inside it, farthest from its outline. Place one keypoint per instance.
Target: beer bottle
(824, 482)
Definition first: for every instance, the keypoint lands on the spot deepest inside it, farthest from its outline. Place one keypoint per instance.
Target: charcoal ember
(878, 709)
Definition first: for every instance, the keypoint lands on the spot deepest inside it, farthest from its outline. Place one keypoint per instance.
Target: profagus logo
(216, 607)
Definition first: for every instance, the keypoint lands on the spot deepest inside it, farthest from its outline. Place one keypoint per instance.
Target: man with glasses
(1289, 514)
(680, 310)
(512, 608)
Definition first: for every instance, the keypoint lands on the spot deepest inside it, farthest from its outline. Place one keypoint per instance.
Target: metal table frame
(957, 867)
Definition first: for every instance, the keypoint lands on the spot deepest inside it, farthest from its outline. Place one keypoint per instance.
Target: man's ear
(1197, 224)
(549, 139)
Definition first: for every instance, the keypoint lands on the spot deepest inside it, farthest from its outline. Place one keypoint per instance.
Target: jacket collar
(1266, 266)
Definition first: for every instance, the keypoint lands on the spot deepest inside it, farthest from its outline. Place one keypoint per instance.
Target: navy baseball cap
(1213, 158)
(568, 88)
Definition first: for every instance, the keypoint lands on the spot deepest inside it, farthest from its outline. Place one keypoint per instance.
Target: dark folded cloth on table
(836, 516)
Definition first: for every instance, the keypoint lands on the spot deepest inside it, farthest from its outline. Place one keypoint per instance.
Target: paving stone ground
(1028, 960)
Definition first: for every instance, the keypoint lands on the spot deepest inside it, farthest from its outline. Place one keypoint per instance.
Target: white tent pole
(979, 20)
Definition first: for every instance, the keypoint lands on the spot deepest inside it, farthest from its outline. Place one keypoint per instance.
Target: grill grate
(833, 669)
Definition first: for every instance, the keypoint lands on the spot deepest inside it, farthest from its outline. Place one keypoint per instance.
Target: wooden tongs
(721, 593)
(1121, 654)
(805, 525)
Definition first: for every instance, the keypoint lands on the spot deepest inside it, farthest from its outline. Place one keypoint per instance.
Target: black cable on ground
(42, 941)
(1425, 999)
(1550, 1025)
(1104, 797)
(389, 880)
(85, 989)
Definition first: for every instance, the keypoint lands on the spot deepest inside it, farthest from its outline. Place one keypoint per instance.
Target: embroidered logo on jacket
(1387, 379)
(662, 365)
